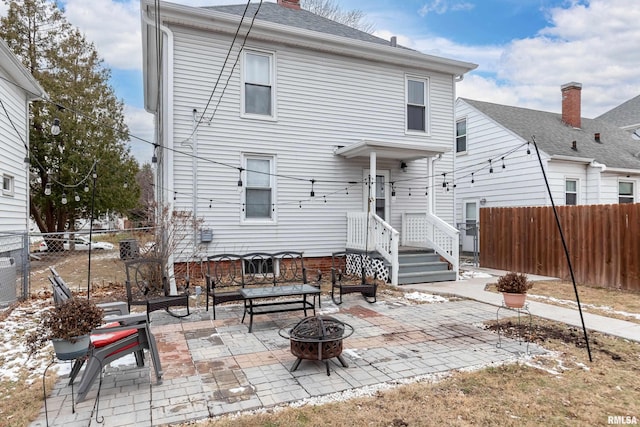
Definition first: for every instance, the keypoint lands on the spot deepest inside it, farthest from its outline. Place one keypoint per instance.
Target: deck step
(422, 266)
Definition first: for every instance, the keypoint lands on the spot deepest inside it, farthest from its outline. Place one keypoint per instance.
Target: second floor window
(416, 104)
(461, 136)
(571, 192)
(258, 83)
(625, 192)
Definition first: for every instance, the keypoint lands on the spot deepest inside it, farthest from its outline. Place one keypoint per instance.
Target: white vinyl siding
(13, 170)
(324, 100)
(258, 84)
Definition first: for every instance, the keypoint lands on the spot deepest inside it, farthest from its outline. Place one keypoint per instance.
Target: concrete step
(426, 277)
(414, 257)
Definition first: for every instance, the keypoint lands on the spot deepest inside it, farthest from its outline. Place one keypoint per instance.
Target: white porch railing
(426, 230)
(379, 237)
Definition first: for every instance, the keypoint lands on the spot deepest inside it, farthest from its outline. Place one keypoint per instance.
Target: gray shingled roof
(617, 149)
(625, 114)
(272, 12)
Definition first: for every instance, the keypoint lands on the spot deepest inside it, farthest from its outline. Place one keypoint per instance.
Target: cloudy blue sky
(525, 49)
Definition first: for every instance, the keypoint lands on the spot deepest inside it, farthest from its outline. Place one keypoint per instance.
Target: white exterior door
(470, 235)
(382, 193)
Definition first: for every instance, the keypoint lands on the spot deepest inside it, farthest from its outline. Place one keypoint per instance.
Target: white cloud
(443, 6)
(114, 27)
(140, 124)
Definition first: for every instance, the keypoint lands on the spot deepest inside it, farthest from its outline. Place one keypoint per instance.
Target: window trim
(272, 219)
(466, 136)
(427, 109)
(11, 190)
(272, 80)
(633, 191)
(577, 192)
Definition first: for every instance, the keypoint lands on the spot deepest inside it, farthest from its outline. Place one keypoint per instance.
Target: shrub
(71, 319)
(514, 283)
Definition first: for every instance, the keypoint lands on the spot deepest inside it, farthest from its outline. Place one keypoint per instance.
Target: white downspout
(165, 154)
(371, 206)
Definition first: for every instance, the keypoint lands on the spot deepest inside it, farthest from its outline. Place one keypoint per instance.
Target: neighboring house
(626, 116)
(17, 89)
(587, 161)
(275, 152)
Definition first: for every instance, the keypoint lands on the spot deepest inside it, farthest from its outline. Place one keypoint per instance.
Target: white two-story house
(285, 130)
(587, 161)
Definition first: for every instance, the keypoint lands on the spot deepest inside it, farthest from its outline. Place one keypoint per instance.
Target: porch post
(371, 206)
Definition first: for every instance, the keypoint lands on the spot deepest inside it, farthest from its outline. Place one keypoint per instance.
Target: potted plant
(68, 326)
(514, 287)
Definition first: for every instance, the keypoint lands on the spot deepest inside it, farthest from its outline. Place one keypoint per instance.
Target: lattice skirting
(371, 266)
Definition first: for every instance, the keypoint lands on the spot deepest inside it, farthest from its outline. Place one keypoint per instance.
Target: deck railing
(374, 234)
(425, 230)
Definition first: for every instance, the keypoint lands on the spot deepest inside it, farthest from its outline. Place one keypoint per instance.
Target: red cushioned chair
(125, 335)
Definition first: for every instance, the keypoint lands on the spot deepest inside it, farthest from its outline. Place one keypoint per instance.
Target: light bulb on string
(64, 198)
(393, 193)
(490, 166)
(528, 148)
(426, 192)
(76, 197)
(313, 193)
(503, 166)
(47, 189)
(86, 188)
(126, 184)
(210, 201)
(409, 192)
(472, 180)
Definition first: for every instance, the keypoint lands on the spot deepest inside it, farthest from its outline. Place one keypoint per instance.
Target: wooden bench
(354, 272)
(227, 274)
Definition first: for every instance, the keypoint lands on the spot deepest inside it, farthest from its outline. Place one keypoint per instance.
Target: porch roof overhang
(390, 150)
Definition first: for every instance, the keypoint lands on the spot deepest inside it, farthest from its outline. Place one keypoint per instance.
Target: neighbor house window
(258, 96)
(417, 104)
(625, 192)
(7, 185)
(259, 188)
(461, 136)
(571, 192)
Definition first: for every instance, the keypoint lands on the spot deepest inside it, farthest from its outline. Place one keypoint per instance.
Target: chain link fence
(469, 243)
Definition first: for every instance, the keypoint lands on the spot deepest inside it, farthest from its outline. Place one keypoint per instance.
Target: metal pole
(93, 200)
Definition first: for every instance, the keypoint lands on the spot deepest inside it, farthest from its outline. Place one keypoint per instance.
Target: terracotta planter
(67, 350)
(514, 300)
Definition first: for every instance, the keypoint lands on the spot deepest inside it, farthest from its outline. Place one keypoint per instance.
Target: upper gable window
(461, 136)
(625, 192)
(258, 91)
(417, 102)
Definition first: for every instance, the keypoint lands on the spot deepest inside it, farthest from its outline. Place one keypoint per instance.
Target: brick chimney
(571, 103)
(291, 4)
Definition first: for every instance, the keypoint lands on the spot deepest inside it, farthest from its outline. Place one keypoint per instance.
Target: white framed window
(571, 191)
(258, 84)
(8, 185)
(625, 192)
(461, 136)
(259, 188)
(417, 98)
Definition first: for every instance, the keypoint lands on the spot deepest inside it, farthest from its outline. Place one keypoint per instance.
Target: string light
(313, 193)
(47, 189)
(210, 202)
(472, 180)
(240, 177)
(409, 192)
(76, 197)
(528, 148)
(393, 192)
(86, 188)
(426, 192)
(64, 199)
(503, 166)
(126, 184)
(490, 166)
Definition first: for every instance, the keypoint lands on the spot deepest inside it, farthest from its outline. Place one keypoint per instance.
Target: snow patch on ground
(470, 274)
(573, 304)
(424, 297)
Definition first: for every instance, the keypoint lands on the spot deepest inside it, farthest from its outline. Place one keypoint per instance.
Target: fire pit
(317, 338)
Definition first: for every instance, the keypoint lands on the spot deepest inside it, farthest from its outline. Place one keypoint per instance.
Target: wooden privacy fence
(603, 242)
